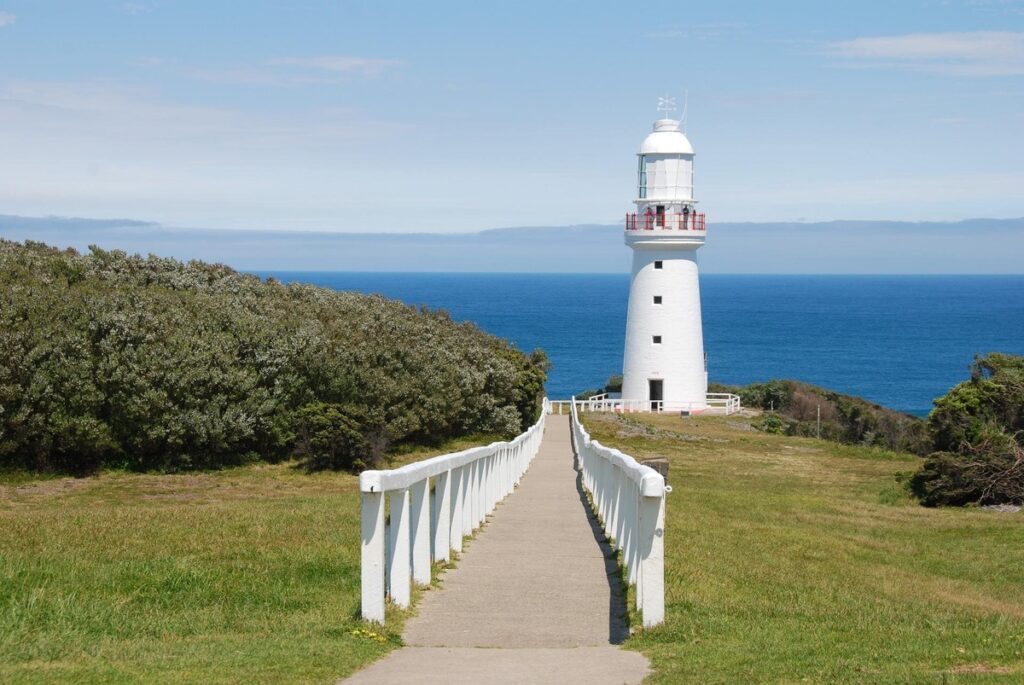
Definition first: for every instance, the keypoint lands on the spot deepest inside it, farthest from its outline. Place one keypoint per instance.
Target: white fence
(717, 403)
(428, 523)
(630, 500)
(724, 401)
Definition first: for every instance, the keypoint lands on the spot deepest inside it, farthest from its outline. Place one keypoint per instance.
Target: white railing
(716, 403)
(559, 406)
(428, 523)
(629, 498)
(725, 401)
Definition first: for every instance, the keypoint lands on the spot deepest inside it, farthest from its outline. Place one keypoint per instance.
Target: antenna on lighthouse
(686, 108)
(666, 105)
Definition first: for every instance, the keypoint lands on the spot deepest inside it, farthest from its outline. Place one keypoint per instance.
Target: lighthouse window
(657, 299)
(657, 340)
(657, 264)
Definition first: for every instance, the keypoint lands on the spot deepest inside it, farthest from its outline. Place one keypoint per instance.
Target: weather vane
(666, 105)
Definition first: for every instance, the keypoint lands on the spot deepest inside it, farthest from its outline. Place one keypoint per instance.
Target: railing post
(372, 555)
(481, 491)
(494, 479)
(442, 516)
(506, 468)
(633, 507)
(612, 522)
(458, 503)
(399, 548)
(468, 496)
(474, 496)
(651, 588)
(419, 495)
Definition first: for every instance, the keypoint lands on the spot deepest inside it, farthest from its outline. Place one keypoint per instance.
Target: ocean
(899, 341)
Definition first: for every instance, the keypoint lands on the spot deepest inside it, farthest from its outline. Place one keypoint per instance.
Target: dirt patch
(172, 496)
(980, 602)
(982, 668)
(56, 486)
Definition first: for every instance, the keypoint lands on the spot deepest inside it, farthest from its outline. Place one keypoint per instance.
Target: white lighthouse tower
(664, 365)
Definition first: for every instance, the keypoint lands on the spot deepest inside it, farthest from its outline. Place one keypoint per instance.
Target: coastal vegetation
(109, 360)
(972, 441)
(978, 433)
(793, 559)
(797, 408)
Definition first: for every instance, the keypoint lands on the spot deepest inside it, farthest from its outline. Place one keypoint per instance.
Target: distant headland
(840, 247)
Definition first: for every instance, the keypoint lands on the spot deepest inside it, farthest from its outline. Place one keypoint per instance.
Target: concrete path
(534, 599)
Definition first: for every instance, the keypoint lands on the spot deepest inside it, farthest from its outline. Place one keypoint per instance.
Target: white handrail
(427, 524)
(715, 403)
(629, 498)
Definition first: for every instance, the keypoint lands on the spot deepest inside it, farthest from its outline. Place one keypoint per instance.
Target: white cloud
(714, 29)
(105, 147)
(99, 116)
(137, 8)
(343, 64)
(151, 62)
(6, 19)
(970, 53)
(298, 71)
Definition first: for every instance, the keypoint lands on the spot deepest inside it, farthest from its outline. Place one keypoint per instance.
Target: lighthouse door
(655, 390)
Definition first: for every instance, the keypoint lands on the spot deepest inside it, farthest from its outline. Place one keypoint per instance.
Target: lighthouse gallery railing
(693, 221)
(629, 498)
(428, 523)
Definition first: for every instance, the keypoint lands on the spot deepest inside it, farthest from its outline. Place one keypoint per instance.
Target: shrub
(773, 395)
(844, 418)
(770, 423)
(111, 360)
(614, 384)
(947, 479)
(328, 437)
(978, 434)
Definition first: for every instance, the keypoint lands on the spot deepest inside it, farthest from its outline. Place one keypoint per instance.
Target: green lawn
(240, 576)
(794, 560)
(789, 560)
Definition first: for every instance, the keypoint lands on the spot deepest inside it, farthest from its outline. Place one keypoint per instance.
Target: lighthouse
(664, 365)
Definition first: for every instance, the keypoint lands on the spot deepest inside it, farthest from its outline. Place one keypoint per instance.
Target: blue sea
(899, 341)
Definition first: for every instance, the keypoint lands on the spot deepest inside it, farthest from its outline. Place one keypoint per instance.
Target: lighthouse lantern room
(664, 365)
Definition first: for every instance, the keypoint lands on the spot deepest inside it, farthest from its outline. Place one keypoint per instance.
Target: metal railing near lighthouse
(434, 504)
(692, 221)
(629, 499)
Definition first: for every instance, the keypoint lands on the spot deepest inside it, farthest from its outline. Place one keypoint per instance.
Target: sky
(462, 116)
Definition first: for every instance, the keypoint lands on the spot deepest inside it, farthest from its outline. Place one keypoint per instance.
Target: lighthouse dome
(667, 139)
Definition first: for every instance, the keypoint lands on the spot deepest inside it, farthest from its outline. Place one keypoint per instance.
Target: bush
(770, 423)
(328, 437)
(978, 434)
(947, 479)
(773, 395)
(111, 360)
(844, 418)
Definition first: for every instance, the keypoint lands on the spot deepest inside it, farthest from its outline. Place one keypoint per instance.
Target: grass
(794, 560)
(238, 576)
